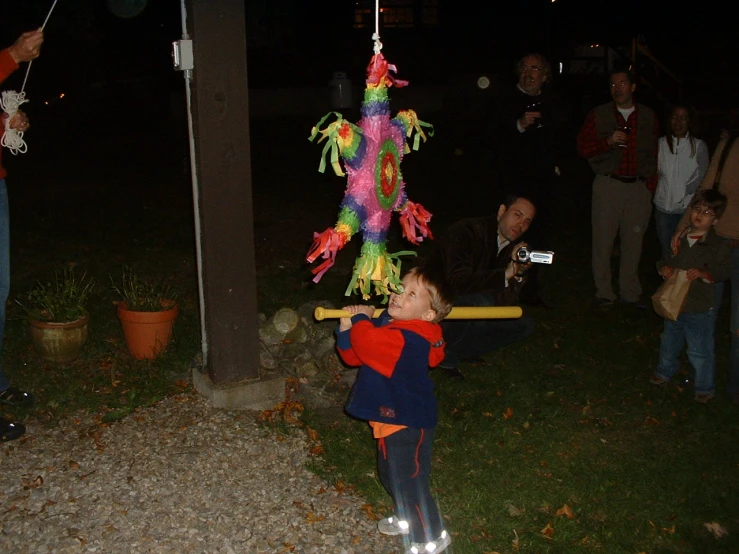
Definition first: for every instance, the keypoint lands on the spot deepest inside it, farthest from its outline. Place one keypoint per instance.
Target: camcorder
(536, 256)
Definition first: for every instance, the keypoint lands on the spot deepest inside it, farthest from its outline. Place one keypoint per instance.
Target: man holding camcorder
(486, 262)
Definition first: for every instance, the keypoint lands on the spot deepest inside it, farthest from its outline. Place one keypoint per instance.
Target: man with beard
(478, 257)
(619, 140)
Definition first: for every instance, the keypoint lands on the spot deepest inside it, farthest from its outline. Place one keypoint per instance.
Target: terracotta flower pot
(147, 333)
(58, 342)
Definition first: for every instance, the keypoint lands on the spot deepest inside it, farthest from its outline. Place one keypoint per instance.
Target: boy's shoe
(657, 380)
(10, 431)
(703, 397)
(433, 547)
(392, 526)
(16, 397)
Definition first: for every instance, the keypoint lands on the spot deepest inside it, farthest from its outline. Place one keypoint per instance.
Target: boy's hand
(345, 323)
(693, 274)
(666, 271)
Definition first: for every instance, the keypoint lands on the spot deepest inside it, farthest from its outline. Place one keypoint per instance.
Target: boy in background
(395, 394)
(707, 259)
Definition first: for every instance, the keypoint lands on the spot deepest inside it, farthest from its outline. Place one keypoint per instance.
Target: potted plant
(147, 312)
(57, 313)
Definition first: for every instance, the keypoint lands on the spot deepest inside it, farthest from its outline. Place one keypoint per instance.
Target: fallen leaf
(487, 414)
(515, 542)
(548, 531)
(369, 511)
(717, 530)
(508, 413)
(312, 433)
(566, 511)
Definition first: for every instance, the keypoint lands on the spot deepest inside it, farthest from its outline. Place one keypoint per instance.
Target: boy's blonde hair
(438, 289)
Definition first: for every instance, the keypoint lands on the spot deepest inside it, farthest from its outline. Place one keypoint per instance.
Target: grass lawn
(555, 444)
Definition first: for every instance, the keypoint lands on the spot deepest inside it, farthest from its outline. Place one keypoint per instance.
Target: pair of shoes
(433, 547)
(10, 431)
(603, 303)
(16, 397)
(703, 397)
(658, 380)
(392, 526)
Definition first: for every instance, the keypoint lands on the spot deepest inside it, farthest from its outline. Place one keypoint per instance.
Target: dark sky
(304, 41)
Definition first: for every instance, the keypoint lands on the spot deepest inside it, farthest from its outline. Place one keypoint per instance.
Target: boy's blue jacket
(393, 385)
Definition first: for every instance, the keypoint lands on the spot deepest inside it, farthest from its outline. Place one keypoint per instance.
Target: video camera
(536, 256)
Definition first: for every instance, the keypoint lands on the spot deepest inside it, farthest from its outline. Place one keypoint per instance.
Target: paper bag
(670, 297)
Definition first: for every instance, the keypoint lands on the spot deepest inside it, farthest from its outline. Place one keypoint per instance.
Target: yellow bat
(460, 312)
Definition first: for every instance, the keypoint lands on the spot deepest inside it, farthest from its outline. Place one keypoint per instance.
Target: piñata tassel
(376, 267)
(410, 121)
(414, 216)
(326, 245)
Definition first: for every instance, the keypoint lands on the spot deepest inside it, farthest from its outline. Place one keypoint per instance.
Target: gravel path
(178, 477)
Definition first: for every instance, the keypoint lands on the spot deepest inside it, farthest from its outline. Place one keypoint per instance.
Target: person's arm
(588, 143)
(464, 248)
(702, 159)
(7, 64)
(379, 348)
(343, 337)
(652, 181)
(707, 183)
(719, 268)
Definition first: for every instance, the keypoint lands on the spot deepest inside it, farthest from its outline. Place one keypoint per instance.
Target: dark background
(122, 95)
(296, 42)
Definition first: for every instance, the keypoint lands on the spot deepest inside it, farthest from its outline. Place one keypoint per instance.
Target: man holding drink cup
(619, 140)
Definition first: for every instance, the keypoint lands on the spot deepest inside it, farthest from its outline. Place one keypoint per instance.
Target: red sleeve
(588, 143)
(349, 357)
(7, 64)
(377, 347)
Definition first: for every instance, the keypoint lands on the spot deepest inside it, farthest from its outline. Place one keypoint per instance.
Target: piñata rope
(10, 102)
(376, 34)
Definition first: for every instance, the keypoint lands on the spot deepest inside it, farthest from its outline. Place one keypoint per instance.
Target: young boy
(394, 393)
(707, 259)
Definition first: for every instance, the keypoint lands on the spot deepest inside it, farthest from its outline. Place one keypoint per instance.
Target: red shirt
(7, 66)
(589, 145)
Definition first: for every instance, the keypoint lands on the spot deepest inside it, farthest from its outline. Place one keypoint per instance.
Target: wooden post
(222, 189)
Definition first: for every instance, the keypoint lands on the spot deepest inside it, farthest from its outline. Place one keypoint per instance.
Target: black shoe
(638, 304)
(10, 431)
(603, 303)
(451, 370)
(16, 397)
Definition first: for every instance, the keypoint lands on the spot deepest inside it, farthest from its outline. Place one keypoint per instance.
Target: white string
(376, 35)
(12, 138)
(11, 101)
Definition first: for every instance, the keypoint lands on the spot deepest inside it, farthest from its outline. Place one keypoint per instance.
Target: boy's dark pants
(404, 465)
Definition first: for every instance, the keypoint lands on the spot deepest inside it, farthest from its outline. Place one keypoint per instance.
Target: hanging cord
(376, 35)
(10, 102)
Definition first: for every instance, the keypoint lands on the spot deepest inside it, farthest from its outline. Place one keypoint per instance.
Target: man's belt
(625, 178)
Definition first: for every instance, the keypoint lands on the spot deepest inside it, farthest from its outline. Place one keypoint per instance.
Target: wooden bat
(460, 312)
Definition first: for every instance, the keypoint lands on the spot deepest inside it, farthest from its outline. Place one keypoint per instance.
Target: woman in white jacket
(682, 162)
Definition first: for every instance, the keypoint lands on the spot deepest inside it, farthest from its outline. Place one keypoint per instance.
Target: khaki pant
(622, 208)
